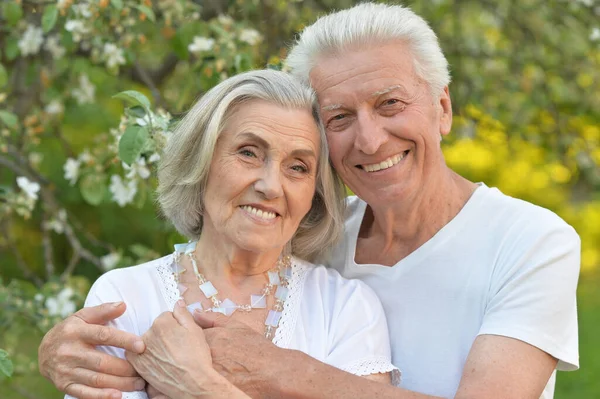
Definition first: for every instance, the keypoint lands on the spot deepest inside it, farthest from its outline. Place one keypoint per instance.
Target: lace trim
(374, 365)
(289, 317)
(168, 288)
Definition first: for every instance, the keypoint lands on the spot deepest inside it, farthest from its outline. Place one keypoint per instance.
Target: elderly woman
(246, 177)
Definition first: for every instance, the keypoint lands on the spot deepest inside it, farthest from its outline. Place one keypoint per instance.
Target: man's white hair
(364, 26)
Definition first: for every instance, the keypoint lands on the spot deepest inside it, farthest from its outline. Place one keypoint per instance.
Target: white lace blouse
(335, 320)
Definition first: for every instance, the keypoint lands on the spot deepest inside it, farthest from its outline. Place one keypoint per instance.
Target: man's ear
(445, 111)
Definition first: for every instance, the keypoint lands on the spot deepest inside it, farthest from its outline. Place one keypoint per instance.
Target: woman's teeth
(258, 213)
(388, 163)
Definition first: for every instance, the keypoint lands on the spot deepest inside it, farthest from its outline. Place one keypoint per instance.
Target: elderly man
(478, 287)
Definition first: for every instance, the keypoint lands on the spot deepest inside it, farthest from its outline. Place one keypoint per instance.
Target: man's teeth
(388, 163)
(257, 212)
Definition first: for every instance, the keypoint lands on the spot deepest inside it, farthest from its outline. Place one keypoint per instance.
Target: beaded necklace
(279, 276)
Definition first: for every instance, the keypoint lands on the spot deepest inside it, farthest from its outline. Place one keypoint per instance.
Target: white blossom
(85, 92)
(31, 41)
(55, 225)
(53, 47)
(82, 10)
(109, 261)
(35, 158)
(113, 55)
(138, 168)
(62, 305)
(85, 156)
(595, 35)
(225, 20)
(250, 36)
(123, 194)
(71, 168)
(77, 28)
(30, 188)
(55, 107)
(200, 44)
(154, 158)
(38, 297)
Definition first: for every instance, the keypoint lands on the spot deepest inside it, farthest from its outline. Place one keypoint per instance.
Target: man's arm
(69, 359)
(497, 367)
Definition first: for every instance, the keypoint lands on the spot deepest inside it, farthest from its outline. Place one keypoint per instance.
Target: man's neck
(389, 233)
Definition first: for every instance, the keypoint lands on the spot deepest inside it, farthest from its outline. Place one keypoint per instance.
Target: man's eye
(338, 117)
(391, 101)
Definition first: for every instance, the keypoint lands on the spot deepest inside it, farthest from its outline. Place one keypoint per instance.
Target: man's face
(383, 125)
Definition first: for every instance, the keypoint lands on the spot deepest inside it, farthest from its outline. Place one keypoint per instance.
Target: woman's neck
(221, 260)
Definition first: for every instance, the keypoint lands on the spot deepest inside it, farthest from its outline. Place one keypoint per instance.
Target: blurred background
(77, 163)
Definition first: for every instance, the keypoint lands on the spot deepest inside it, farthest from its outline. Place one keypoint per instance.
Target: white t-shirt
(502, 266)
(337, 321)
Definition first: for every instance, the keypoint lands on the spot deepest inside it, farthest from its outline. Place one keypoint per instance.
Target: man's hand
(177, 361)
(243, 356)
(68, 355)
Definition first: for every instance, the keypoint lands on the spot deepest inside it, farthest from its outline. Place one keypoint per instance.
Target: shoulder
(330, 286)
(133, 278)
(354, 206)
(514, 217)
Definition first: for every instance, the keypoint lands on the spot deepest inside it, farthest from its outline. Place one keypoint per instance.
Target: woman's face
(262, 177)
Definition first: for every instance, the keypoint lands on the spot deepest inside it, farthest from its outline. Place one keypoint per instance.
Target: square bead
(229, 306)
(274, 278)
(281, 293)
(219, 310)
(273, 318)
(182, 288)
(194, 306)
(258, 301)
(177, 268)
(208, 289)
(191, 247)
(287, 273)
(180, 247)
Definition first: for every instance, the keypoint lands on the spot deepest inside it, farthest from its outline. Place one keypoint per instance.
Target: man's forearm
(305, 378)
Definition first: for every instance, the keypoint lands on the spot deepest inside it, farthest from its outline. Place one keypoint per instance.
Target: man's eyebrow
(331, 107)
(389, 89)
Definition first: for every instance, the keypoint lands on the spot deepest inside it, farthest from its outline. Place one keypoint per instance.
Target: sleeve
(358, 336)
(533, 291)
(103, 291)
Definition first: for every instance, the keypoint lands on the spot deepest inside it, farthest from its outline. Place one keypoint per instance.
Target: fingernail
(116, 305)
(181, 303)
(140, 384)
(139, 346)
(115, 395)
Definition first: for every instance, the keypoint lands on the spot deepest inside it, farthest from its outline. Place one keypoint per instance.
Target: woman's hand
(177, 360)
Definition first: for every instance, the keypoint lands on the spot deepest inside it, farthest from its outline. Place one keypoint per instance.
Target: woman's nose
(269, 183)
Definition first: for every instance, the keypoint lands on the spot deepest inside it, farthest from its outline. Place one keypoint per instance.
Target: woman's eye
(247, 153)
(338, 117)
(300, 168)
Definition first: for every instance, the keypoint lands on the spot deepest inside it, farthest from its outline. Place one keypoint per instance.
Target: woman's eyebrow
(256, 138)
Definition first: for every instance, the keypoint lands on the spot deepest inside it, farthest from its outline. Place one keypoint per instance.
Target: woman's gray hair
(184, 168)
(366, 25)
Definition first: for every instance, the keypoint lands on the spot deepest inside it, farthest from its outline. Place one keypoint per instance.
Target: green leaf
(179, 46)
(11, 49)
(9, 119)
(137, 111)
(147, 11)
(243, 62)
(135, 98)
(93, 189)
(6, 366)
(132, 142)
(12, 12)
(49, 18)
(3, 76)
(118, 4)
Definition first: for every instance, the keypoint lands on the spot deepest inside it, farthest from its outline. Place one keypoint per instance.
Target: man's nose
(370, 135)
(269, 182)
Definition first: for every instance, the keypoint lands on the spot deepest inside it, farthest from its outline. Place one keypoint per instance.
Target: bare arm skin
(69, 359)
(497, 367)
(177, 361)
